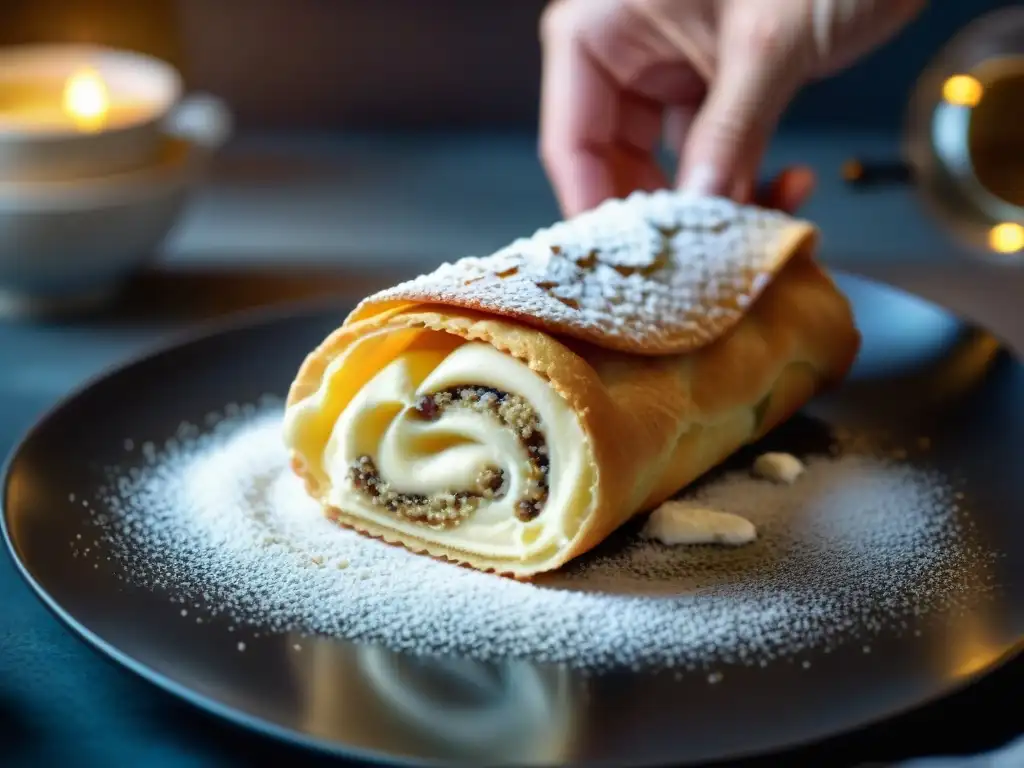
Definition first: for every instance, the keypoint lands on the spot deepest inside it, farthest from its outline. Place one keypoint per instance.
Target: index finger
(596, 140)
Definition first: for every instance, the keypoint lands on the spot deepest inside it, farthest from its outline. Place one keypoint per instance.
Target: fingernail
(702, 180)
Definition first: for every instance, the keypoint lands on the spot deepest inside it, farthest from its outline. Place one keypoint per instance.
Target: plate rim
(268, 314)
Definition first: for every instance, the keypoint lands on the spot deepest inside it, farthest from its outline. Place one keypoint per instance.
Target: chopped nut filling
(444, 510)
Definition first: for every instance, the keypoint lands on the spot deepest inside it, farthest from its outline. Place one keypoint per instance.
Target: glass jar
(964, 138)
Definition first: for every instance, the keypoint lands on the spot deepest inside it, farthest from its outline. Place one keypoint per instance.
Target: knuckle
(761, 34)
(730, 128)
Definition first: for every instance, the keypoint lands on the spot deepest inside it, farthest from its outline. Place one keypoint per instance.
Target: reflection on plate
(464, 710)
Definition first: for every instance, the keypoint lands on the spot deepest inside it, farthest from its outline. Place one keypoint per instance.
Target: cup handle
(201, 118)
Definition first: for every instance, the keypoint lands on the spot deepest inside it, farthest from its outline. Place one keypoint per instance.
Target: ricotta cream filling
(449, 453)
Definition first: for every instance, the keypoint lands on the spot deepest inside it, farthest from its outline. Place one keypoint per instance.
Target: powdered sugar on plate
(856, 547)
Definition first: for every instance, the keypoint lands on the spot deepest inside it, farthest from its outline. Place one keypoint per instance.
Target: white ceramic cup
(70, 244)
(39, 142)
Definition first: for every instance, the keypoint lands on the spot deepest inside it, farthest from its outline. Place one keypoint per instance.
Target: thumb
(757, 76)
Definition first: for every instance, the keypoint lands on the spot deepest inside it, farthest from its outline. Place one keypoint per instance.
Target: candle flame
(1007, 237)
(962, 91)
(86, 100)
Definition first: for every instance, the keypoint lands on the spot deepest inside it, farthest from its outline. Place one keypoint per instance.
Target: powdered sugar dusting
(657, 272)
(859, 546)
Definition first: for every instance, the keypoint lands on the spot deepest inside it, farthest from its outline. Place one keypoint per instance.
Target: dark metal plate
(919, 366)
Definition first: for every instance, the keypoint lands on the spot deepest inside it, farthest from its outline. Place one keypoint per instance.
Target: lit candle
(86, 100)
(72, 112)
(81, 103)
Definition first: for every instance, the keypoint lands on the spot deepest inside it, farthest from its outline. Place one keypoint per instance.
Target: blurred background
(341, 65)
(396, 133)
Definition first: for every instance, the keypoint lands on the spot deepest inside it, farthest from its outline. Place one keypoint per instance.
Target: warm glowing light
(853, 170)
(976, 661)
(1007, 237)
(962, 91)
(86, 100)
(973, 645)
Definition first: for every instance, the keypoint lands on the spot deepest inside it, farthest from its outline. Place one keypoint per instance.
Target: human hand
(712, 77)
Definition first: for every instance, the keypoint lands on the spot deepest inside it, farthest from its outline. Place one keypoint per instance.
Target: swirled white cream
(446, 454)
(778, 467)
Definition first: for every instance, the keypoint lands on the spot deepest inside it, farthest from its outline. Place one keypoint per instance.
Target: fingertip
(703, 179)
